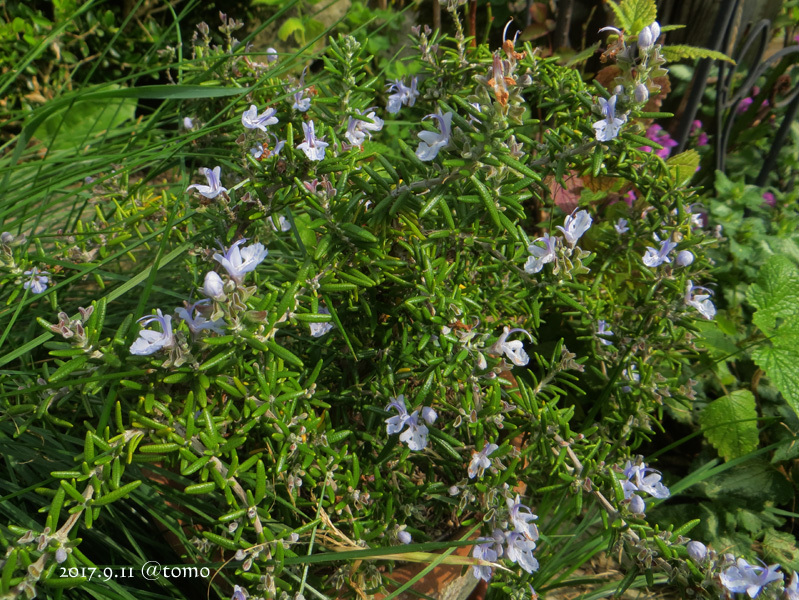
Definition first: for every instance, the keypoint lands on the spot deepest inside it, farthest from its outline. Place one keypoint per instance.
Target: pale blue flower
(700, 302)
(416, 434)
(792, 590)
(575, 226)
(314, 148)
(432, 142)
(655, 258)
(150, 341)
(513, 350)
(404, 95)
(621, 226)
(37, 280)
(197, 322)
(359, 129)
(320, 329)
(541, 255)
(520, 516)
(188, 123)
(602, 329)
(239, 593)
(486, 551)
(608, 128)
(252, 120)
(519, 550)
(648, 37)
(480, 461)
(743, 577)
(396, 423)
(238, 262)
(301, 103)
(214, 187)
(404, 537)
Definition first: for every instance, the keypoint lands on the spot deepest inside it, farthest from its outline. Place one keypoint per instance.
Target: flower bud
(60, 554)
(637, 505)
(404, 537)
(645, 39)
(697, 551)
(684, 258)
(654, 29)
(271, 55)
(641, 93)
(213, 286)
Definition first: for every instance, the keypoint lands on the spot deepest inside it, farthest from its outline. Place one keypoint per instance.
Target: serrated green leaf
(634, 15)
(683, 166)
(730, 424)
(775, 294)
(678, 52)
(780, 361)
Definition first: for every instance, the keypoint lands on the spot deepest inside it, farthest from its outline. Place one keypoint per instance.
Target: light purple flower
(649, 36)
(432, 142)
(743, 577)
(621, 226)
(271, 55)
(416, 434)
(519, 549)
(602, 329)
(151, 341)
(214, 187)
(641, 93)
(238, 262)
(792, 590)
(637, 505)
(575, 226)
(480, 461)
(655, 258)
(513, 350)
(359, 129)
(301, 103)
(37, 280)
(320, 329)
(188, 123)
(314, 148)
(520, 516)
(541, 256)
(197, 322)
(239, 593)
(252, 120)
(485, 551)
(700, 302)
(404, 537)
(608, 128)
(396, 423)
(404, 95)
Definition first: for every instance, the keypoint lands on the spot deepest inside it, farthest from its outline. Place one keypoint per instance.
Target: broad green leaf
(678, 52)
(290, 26)
(754, 482)
(683, 166)
(730, 424)
(776, 293)
(84, 120)
(780, 361)
(780, 547)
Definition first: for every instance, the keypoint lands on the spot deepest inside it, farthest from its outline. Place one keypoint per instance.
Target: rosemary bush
(283, 335)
